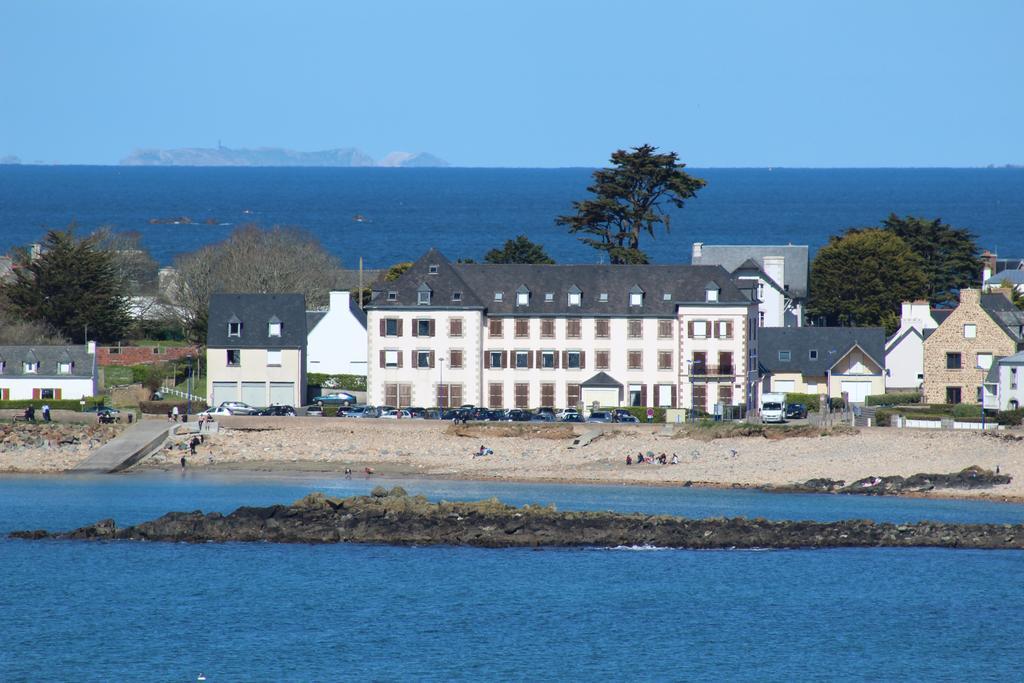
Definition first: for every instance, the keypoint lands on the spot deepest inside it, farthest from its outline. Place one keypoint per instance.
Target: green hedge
(349, 382)
(640, 412)
(893, 399)
(63, 404)
(1010, 418)
(161, 407)
(811, 401)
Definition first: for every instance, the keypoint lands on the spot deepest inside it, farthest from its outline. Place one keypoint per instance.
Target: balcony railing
(704, 370)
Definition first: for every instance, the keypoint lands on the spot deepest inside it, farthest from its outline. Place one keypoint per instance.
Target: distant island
(276, 156)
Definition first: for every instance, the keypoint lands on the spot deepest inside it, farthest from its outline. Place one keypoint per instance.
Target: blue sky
(520, 83)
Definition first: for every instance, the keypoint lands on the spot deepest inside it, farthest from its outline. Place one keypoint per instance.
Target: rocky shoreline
(969, 478)
(395, 518)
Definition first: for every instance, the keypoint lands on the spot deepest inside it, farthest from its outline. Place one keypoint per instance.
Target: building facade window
(496, 359)
(635, 329)
(455, 359)
(575, 298)
(495, 329)
(698, 329)
(602, 328)
(603, 297)
(547, 328)
(664, 360)
(725, 363)
(785, 356)
(700, 397)
(423, 359)
(725, 329)
(63, 368)
(499, 296)
(392, 327)
(456, 296)
(423, 298)
(398, 395)
(522, 360)
(572, 395)
(725, 394)
(547, 360)
(574, 360)
(522, 395)
(425, 328)
(392, 296)
(601, 360)
(635, 360)
(954, 361)
(273, 329)
(391, 359)
(234, 329)
(573, 328)
(234, 358)
(812, 354)
(664, 329)
(970, 331)
(522, 328)
(953, 395)
(636, 299)
(274, 358)
(984, 360)
(495, 395)
(547, 395)
(522, 298)
(455, 327)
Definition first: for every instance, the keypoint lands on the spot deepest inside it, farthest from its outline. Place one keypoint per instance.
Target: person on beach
(348, 472)
(30, 414)
(629, 459)
(183, 463)
(174, 413)
(170, 415)
(46, 412)
(639, 458)
(675, 459)
(193, 442)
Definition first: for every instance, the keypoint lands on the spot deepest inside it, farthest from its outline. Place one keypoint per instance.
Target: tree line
(81, 286)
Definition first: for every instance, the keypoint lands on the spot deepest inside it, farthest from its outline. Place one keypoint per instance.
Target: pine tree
(949, 255)
(519, 250)
(72, 286)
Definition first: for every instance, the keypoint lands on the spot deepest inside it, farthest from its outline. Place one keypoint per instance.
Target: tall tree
(631, 198)
(518, 250)
(949, 255)
(132, 261)
(72, 286)
(860, 278)
(252, 259)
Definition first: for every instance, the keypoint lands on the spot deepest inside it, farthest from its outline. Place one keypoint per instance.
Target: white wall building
(527, 336)
(904, 350)
(47, 372)
(1004, 385)
(336, 342)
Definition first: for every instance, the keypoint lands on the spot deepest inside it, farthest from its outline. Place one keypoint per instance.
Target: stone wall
(949, 338)
(136, 355)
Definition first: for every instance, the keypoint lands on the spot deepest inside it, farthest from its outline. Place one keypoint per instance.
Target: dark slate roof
(255, 311)
(47, 357)
(601, 379)
(831, 343)
(357, 313)
(1014, 277)
(312, 318)
(1015, 359)
(731, 257)
(1009, 264)
(940, 314)
(1007, 316)
(478, 283)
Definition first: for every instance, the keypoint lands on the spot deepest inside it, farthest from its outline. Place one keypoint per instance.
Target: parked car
(395, 415)
(628, 419)
(359, 412)
(542, 417)
(276, 411)
(417, 413)
(573, 417)
(796, 411)
(340, 398)
(214, 412)
(238, 407)
(101, 409)
(620, 413)
(600, 416)
(546, 411)
(314, 411)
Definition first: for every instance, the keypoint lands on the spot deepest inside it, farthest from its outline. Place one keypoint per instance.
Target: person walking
(174, 413)
(46, 412)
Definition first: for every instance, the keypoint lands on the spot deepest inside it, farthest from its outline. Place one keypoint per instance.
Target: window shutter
(431, 327)
(643, 395)
(35, 393)
(400, 358)
(431, 359)
(554, 360)
(399, 327)
(487, 359)
(56, 394)
(728, 329)
(538, 361)
(383, 327)
(565, 359)
(382, 361)
(583, 359)
(412, 360)
(689, 327)
(675, 398)
(714, 329)
(415, 328)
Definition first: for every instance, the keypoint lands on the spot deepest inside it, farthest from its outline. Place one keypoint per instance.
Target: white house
(1004, 384)
(256, 349)
(517, 335)
(47, 372)
(778, 273)
(904, 350)
(336, 342)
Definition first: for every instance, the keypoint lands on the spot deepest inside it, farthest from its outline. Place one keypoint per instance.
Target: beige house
(837, 361)
(527, 336)
(959, 353)
(256, 349)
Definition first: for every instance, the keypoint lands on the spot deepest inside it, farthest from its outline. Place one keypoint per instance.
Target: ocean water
(165, 612)
(465, 212)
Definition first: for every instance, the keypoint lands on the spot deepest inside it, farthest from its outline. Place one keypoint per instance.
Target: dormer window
(666, 296)
(29, 367)
(603, 297)
(274, 327)
(456, 296)
(64, 368)
(423, 295)
(636, 296)
(784, 356)
(235, 329)
(499, 296)
(711, 292)
(432, 269)
(549, 297)
(392, 296)
(522, 296)
(812, 354)
(575, 296)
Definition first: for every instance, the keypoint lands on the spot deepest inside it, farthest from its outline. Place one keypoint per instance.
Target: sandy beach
(542, 452)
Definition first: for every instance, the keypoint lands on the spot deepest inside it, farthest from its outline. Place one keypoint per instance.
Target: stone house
(959, 353)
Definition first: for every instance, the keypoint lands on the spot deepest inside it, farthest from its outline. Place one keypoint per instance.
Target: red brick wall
(135, 355)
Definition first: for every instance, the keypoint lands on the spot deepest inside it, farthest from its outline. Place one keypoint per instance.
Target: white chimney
(698, 250)
(91, 348)
(775, 268)
(339, 300)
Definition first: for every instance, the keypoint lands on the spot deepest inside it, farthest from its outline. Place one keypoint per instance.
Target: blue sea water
(465, 212)
(163, 612)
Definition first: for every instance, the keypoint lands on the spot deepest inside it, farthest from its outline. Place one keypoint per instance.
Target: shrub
(837, 403)
(349, 382)
(161, 407)
(966, 410)
(63, 404)
(811, 401)
(1010, 418)
(883, 418)
(893, 399)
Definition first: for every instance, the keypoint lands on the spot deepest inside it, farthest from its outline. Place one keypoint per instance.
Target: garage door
(254, 393)
(224, 391)
(857, 391)
(282, 393)
(786, 386)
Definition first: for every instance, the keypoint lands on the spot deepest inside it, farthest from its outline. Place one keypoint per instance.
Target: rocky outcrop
(972, 477)
(21, 436)
(393, 517)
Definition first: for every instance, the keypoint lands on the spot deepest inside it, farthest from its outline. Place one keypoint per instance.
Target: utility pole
(360, 283)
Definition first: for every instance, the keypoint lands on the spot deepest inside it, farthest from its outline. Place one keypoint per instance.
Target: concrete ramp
(586, 437)
(133, 445)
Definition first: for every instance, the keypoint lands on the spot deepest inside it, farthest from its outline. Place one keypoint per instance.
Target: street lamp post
(440, 384)
(188, 388)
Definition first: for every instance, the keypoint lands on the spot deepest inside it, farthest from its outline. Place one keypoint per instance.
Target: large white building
(336, 342)
(904, 350)
(47, 372)
(528, 336)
